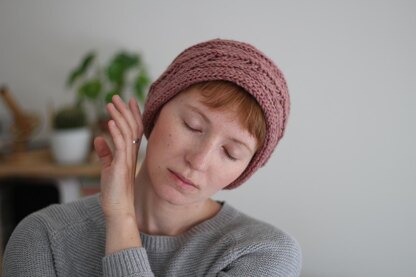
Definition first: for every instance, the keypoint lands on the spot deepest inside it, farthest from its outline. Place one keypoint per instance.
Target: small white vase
(71, 146)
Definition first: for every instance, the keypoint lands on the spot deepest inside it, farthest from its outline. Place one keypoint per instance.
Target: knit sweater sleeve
(260, 249)
(274, 258)
(131, 262)
(28, 251)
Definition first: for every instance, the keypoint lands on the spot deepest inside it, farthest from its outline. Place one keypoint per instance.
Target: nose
(200, 155)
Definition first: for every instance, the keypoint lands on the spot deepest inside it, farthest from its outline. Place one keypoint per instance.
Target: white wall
(343, 179)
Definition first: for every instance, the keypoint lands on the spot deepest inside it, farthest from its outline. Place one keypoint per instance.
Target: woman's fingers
(103, 151)
(119, 141)
(129, 125)
(128, 115)
(134, 107)
(123, 134)
(121, 122)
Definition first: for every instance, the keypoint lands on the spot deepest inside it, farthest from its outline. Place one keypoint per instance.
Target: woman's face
(194, 151)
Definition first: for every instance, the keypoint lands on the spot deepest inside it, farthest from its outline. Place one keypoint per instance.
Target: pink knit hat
(233, 61)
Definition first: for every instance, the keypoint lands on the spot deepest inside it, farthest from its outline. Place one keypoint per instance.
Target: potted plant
(71, 136)
(97, 83)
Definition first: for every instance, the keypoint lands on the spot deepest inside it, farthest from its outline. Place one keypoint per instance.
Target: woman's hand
(118, 174)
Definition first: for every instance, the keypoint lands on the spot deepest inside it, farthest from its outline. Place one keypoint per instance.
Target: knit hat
(233, 61)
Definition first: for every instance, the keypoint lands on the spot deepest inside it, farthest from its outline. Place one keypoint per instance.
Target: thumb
(103, 151)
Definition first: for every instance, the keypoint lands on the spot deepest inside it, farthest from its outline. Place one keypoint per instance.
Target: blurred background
(343, 179)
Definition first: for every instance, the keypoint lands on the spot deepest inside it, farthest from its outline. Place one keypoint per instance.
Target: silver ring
(136, 141)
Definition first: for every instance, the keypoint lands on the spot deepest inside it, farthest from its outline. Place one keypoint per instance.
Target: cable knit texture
(233, 61)
(69, 240)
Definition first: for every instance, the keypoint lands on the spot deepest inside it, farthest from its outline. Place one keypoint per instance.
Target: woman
(212, 119)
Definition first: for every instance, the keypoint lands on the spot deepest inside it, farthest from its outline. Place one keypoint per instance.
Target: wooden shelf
(39, 163)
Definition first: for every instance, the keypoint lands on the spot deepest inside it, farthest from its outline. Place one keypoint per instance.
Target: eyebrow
(198, 111)
(243, 144)
(205, 118)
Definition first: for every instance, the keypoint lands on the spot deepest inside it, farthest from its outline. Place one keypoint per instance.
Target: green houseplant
(71, 135)
(96, 83)
(69, 117)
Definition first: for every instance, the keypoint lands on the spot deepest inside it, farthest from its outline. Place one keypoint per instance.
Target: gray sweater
(69, 240)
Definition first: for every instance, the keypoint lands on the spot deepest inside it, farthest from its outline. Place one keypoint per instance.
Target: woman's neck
(158, 217)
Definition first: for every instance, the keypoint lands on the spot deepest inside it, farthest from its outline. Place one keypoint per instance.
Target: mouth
(182, 180)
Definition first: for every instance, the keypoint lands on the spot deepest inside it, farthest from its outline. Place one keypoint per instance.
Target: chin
(174, 196)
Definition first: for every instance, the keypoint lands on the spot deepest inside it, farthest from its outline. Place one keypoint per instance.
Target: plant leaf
(126, 59)
(90, 89)
(141, 83)
(115, 72)
(73, 75)
(81, 69)
(109, 95)
(88, 59)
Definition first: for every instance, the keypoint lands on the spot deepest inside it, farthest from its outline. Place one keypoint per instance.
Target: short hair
(225, 95)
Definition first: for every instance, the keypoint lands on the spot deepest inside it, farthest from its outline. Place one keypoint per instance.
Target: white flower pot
(71, 146)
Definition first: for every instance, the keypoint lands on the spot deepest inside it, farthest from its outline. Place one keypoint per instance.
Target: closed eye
(227, 153)
(189, 127)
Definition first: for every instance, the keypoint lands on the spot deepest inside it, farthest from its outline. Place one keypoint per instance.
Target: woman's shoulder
(242, 222)
(251, 243)
(51, 236)
(247, 231)
(58, 216)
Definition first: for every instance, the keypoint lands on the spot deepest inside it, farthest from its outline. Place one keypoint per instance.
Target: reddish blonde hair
(225, 95)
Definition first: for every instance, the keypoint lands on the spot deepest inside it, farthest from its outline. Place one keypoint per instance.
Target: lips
(183, 180)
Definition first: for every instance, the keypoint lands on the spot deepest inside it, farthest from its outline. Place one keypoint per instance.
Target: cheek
(164, 140)
(158, 144)
(157, 155)
(226, 174)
